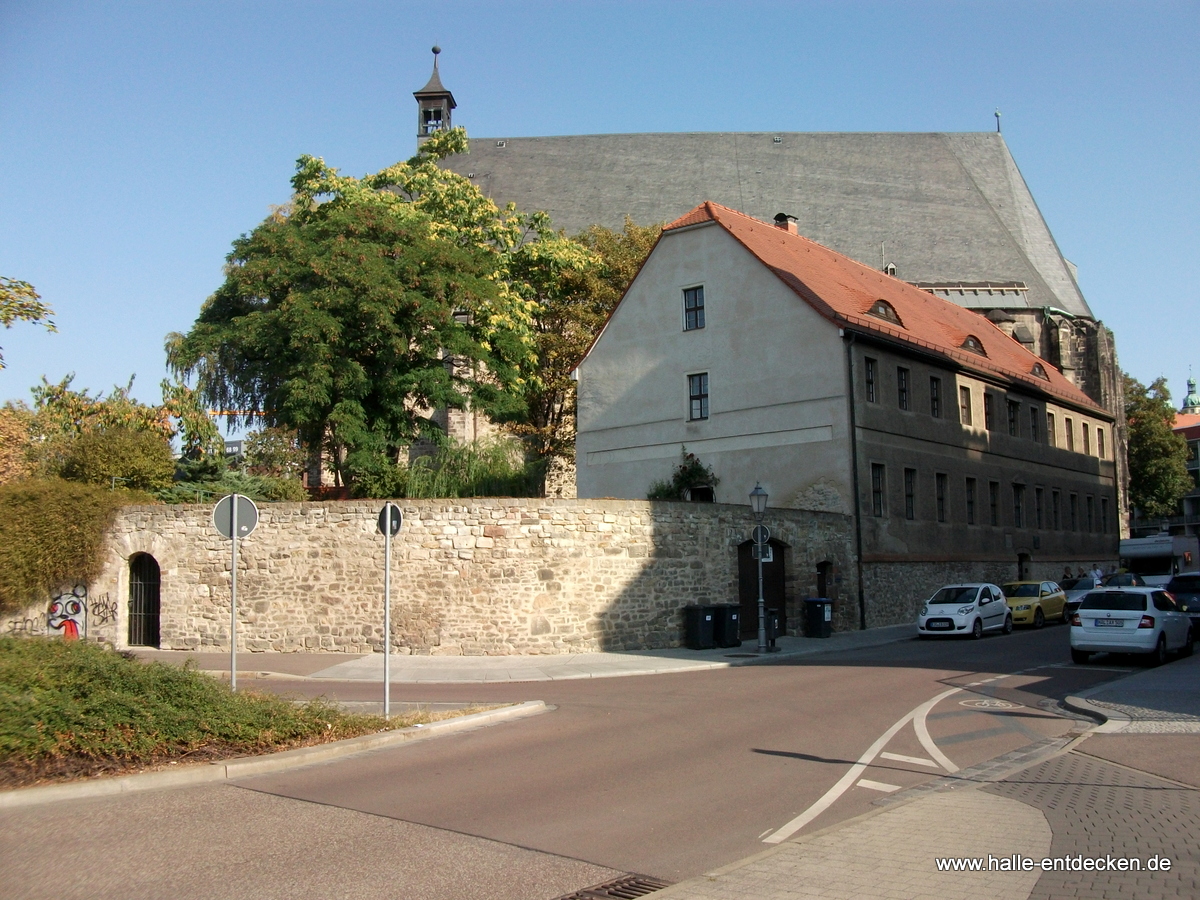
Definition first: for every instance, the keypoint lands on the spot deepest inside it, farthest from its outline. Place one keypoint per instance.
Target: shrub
(52, 532)
(690, 473)
(478, 469)
(137, 460)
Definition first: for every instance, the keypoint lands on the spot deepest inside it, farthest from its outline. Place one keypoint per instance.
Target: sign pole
(233, 530)
(387, 616)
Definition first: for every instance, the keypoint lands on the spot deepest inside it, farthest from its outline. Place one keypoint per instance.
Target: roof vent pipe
(787, 223)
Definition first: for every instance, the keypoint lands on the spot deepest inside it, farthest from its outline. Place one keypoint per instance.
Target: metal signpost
(235, 517)
(390, 520)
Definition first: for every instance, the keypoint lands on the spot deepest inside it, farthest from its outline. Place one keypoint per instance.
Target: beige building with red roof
(950, 450)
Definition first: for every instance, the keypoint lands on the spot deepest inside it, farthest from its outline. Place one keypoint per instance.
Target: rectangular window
(964, 405)
(910, 493)
(1087, 440)
(870, 380)
(1056, 509)
(1100, 442)
(698, 396)
(1034, 431)
(1051, 437)
(1074, 509)
(1069, 428)
(902, 387)
(1090, 505)
(877, 479)
(1018, 505)
(935, 397)
(989, 421)
(994, 501)
(1104, 515)
(1014, 424)
(1038, 504)
(941, 497)
(693, 308)
(970, 501)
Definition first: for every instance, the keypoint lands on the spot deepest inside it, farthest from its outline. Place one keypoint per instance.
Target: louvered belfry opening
(144, 603)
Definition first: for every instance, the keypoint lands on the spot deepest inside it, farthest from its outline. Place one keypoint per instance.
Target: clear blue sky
(139, 139)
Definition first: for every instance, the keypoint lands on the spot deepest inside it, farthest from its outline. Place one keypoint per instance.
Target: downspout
(862, 599)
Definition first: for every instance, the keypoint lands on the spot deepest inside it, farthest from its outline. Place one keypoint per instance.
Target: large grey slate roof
(948, 207)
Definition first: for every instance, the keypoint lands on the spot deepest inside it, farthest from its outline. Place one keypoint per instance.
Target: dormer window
(1040, 371)
(974, 344)
(881, 309)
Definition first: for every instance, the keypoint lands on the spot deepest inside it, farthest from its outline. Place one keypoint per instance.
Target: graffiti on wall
(68, 613)
(102, 610)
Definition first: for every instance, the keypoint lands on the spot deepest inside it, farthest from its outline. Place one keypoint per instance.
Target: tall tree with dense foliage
(19, 302)
(352, 314)
(1158, 476)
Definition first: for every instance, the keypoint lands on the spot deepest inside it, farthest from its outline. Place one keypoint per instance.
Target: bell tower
(434, 104)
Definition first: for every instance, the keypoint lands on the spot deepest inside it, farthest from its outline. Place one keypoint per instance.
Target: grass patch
(72, 709)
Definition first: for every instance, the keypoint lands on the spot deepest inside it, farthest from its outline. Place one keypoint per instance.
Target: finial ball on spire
(436, 49)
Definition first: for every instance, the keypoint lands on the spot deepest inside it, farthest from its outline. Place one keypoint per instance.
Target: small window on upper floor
(881, 309)
(698, 397)
(974, 344)
(1040, 371)
(693, 308)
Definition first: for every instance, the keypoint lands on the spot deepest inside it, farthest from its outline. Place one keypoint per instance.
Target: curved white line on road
(851, 776)
(922, 731)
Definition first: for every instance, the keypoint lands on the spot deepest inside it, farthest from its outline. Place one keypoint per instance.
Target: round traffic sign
(761, 534)
(247, 515)
(390, 519)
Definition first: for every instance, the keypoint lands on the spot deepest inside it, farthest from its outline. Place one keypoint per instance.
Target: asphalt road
(668, 776)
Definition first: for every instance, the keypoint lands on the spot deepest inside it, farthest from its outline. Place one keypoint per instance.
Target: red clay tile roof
(844, 291)
(1188, 425)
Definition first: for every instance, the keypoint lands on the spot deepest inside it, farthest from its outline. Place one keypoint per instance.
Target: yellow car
(1033, 602)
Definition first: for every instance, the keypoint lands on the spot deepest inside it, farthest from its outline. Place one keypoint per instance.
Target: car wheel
(1039, 618)
(977, 629)
(1008, 624)
(1159, 655)
(1080, 656)
(1186, 649)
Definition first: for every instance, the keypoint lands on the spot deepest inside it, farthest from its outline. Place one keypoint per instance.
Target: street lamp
(758, 505)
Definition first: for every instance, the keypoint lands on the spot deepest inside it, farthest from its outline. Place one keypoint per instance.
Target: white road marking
(914, 760)
(878, 786)
(852, 775)
(764, 834)
(922, 731)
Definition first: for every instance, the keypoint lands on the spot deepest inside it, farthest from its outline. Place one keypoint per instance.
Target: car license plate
(1110, 623)
(936, 625)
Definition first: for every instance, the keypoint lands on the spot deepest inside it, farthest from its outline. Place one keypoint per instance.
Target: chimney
(787, 223)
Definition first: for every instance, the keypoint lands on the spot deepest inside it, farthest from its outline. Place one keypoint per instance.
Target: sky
(138, 140)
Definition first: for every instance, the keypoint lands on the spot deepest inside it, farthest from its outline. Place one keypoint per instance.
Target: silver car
(1140, 620)
(965, 609)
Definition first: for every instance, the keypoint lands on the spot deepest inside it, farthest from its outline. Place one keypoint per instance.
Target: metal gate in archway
(144, 602)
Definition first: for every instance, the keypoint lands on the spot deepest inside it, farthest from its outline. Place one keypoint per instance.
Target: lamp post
(758, 505)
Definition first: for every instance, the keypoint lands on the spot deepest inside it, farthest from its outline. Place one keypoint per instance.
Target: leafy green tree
(368, 303)
(275, 452)
(19, 302)
(1158, 476)
(135, 460)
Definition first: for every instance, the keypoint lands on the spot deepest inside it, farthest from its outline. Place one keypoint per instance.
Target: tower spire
(434, 104)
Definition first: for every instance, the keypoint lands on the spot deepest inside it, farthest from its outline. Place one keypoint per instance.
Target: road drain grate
(625, 888)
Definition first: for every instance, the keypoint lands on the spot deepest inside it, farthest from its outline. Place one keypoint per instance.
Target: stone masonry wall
(475, 577)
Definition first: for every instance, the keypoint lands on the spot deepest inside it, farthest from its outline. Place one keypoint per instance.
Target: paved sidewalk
(1163, 700)
(492, 669)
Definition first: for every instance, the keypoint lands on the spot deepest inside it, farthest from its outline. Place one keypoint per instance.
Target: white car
(965, 609)
(1130, 620)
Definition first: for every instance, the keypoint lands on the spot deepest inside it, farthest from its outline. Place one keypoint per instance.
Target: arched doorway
(144, 604)
(1023, 567)
(824, 582)
(773, 593)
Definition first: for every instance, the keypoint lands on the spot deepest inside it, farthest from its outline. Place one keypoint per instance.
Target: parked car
(1125, 579)
(1076, 589)
(965, 609)
(1130, 620)
(1186, 591)
(1033, 602)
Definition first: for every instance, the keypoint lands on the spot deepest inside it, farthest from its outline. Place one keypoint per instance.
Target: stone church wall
(470, 577)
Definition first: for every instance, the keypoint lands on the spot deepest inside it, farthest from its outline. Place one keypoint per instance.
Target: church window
(698, 397)
(693, 308)
(881, 309)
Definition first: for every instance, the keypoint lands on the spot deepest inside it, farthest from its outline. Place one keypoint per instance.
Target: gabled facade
(958, 453)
